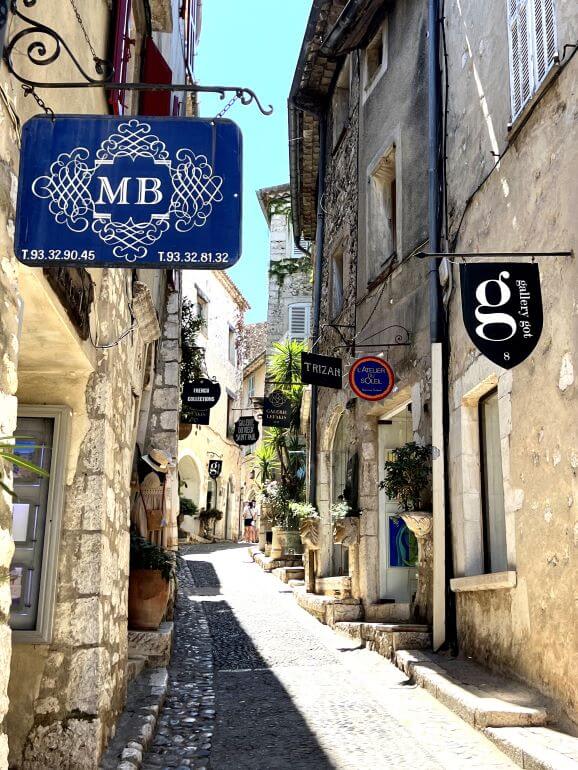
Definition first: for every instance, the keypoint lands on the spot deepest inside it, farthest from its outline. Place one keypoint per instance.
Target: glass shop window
(36, 515)
(493, 513)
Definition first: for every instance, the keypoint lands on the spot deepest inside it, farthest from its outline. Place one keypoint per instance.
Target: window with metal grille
(533, 47)
(250, 389)
(192, 16)
(299, 321)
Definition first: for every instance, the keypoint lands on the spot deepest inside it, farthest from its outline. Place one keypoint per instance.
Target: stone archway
(190, 480)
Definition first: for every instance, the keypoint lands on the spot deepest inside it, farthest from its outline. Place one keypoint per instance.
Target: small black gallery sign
(502, 309)
(276, 410)
(201, 394)
(215, 468)
(321, 370)
(246, 431)
(196, 416)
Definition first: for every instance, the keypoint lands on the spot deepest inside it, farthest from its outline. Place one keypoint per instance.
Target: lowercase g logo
(502, 309)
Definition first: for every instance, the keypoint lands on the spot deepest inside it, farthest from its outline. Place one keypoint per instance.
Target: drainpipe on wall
(319, 238)
(438, 394)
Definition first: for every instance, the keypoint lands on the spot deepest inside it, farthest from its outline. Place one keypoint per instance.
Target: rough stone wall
(163, 420)
(528, 203)
(294, 288)
(398, 296)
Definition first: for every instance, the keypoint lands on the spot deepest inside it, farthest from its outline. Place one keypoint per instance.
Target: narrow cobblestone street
(268, 712)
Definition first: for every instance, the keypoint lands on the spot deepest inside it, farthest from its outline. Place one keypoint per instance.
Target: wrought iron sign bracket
(401, 340)
(45, 46)
(508, 254)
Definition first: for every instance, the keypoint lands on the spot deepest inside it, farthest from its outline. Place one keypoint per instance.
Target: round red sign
(371, 378)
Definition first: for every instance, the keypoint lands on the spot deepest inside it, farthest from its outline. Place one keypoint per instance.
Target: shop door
(397, 545)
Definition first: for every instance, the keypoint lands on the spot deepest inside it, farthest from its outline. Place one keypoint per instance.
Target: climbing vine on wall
(281, 268)
(192, 356)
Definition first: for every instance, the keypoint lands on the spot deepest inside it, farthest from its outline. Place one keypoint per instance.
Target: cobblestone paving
(291, 693)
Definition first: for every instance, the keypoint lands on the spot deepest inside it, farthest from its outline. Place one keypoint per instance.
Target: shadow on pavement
(257, 725)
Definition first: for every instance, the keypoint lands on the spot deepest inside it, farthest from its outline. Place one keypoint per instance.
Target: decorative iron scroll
(44, 46)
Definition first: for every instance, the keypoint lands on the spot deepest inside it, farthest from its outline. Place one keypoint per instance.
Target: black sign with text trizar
(215, 468)
(201, 394)
(321, 370)
(276, 410)
(246, 431)
(502, 309)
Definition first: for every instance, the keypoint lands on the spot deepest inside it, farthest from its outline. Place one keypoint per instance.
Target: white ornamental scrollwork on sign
(75, 204)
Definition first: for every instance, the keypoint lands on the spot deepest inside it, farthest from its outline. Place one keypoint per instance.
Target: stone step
(328, 609)
(285, 574)
(539, 748)
(387, 638)
(134, 666)
(387, 612)
(154, 646)
(480, 697)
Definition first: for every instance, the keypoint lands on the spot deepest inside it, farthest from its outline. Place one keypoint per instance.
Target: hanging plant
(408, 473)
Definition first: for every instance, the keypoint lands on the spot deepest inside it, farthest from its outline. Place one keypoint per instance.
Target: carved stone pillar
(309, 531)
(346, 532)
(421, 524)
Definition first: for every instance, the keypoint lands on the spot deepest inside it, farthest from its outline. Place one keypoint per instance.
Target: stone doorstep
(327, 609)
(285, 574)
(268, 564)
(154, 646)
(387, 638)
(134, 666)
(536, 748)
(468, 699)
(136, 725)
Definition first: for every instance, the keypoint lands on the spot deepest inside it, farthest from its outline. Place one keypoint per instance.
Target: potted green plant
(151, 570)
(187, 511)
(308, 517)
(408, 481)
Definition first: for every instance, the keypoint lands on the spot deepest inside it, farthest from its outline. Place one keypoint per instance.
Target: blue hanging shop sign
(371, 378)
(100, 191)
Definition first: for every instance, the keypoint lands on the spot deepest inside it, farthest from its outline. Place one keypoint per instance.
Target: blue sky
(253, 43)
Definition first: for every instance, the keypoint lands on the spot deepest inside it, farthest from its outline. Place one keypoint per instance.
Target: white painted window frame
(369, 84)
(61, 415)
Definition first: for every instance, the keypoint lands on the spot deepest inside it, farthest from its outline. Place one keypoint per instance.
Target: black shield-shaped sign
(276, 410)
(321, 370)
(502, 309)
(201, 394)
(195, 416)
(215, 468)
(246, 431)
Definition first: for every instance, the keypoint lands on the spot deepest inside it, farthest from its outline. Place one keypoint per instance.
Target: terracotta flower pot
(148, 595)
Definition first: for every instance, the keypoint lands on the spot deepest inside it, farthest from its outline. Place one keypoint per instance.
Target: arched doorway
(229, 509)
(342, 462)
(189, 480)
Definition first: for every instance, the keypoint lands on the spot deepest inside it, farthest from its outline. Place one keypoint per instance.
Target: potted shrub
(151, 570)
(408, 474)
(187, 511)
(345, 523)
(208, 518)
(286, 539)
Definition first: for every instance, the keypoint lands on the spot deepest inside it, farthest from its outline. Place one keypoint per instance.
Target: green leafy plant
(206, 514)
(7, 446)
(340, 509)
(265, 463)
(304, 510)
(408, 473)
(187, 507)
(149, 556)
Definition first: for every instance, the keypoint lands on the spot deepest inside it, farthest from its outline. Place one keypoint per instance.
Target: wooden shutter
(521, 75)
(545, 42)
(121, 54)
(298, 322)
(155, 70)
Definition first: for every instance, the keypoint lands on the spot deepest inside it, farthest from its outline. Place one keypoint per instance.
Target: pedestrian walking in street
(248, 521)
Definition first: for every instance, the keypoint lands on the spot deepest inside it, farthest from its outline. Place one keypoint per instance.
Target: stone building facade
(514, 597)
(504, 539)
(373, 292)
(289, 280)
(222, 306)
(63, 681)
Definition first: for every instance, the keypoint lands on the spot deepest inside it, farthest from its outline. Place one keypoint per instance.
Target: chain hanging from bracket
(29, 91)
(100, 64)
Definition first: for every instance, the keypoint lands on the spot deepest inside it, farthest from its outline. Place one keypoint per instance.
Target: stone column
(421, 524)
